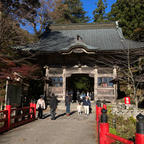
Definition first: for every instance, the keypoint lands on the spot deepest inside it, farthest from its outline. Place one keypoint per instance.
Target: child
(79, 108)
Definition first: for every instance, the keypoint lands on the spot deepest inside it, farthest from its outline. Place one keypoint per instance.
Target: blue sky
(90, 5)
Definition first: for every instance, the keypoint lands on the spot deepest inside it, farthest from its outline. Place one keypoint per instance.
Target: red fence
(105, 137)
(13, 117)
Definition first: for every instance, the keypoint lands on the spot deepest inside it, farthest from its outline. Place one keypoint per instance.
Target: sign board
(127, 100)
(14, 94)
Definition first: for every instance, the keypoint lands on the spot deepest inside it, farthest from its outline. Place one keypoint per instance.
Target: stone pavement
(75, 129)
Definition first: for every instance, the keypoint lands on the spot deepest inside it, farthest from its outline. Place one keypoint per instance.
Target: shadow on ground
(60, 115)
(73, 112)
(45, 116)
(63, 114)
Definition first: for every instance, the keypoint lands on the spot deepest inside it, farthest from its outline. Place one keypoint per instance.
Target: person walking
(79, 108)
(86, 104)
(67, 103)
(78, 96)
(40, 106)
(53, 105)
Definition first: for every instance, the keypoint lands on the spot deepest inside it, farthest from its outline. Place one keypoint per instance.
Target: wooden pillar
(0, 14)
(95, 83)
(115, 85)
(46, 87)
(64, 82)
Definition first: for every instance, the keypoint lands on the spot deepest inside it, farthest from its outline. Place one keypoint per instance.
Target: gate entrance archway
(102, 86)
(77, 84)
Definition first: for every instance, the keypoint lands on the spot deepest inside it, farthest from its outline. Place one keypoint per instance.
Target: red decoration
(127, 100)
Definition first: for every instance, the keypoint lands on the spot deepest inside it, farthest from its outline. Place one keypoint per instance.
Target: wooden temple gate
(103, 87)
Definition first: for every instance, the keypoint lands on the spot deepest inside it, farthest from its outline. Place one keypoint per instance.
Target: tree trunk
(136, 98)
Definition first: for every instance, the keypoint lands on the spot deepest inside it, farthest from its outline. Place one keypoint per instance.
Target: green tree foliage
(99, 12)
(71, 11)
(11, 34)
(24, 12)
(84, 83)
(130, 14)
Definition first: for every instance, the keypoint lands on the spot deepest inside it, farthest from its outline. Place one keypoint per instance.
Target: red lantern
(127, 100)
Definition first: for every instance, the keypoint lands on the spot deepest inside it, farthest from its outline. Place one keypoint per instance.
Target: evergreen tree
(130, 14)
(71, 12)
(99, 12)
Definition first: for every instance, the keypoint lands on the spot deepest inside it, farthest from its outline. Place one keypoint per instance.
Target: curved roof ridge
(81, 43)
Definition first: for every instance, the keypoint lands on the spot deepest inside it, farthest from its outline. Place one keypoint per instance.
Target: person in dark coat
(53, 105)
(67, 104)
(87, 105)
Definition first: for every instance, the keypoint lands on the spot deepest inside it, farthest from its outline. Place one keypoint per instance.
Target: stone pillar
(95, 83)
(64, 82)
(115, 85)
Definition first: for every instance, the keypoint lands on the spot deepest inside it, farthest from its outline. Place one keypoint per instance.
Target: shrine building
(89, 50)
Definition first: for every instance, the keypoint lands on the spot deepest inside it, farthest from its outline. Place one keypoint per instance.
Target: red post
(98, 113)
(31, 109)
(139, 139)
(104, 130)
(8, 108)
(34, 106)
(98, 110)
(104, 104)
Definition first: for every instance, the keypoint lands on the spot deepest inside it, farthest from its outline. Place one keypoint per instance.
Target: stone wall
(126, 111)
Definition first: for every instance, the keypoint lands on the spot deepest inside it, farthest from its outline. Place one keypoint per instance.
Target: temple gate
(103, 87)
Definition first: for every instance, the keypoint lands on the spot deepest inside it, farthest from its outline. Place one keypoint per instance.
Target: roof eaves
(80, 26)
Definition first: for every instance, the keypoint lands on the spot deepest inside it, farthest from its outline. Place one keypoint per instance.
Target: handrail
(118, 138)
(105, 137)
(3, 120)
(13, 117)
(3, 111)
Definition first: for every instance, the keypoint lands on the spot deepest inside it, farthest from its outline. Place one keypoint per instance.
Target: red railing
(104, 137)
(21, 116)
(118, 138)
(13, 117)
(3, 120)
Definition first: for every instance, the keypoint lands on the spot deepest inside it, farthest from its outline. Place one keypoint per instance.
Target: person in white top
(79, 108)
(40, 106)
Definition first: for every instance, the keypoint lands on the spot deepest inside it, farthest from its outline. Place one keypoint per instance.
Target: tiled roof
(92, 36)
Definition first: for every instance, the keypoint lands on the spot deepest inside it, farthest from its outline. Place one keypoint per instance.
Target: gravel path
(64, 130)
